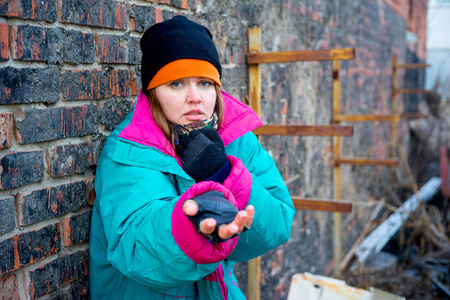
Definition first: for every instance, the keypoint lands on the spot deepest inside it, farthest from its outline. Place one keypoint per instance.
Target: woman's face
(187, 99)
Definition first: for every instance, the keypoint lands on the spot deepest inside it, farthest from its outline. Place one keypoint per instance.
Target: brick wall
(69, 73)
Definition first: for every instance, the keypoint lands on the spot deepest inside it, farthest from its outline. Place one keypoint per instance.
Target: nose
(193, 94)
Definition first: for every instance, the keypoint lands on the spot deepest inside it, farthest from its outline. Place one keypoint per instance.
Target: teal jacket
(142, 246)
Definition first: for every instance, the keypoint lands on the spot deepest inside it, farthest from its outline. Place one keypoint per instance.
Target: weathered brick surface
(75, 229)
(113, 112)
(68, 159)
(79, 47)
(4, 42)
(26, 248)
(9, 287)
(21, 168)
(53, 45)
(6, 127)
(55, 274)
(52, 202)
(95, 147)
(112, 48)
(56, 123)
(135, 80)
(95, 84)
(29, 9)
(108, 13)
(29, 85)
(7, 217)
(142, 17)
(134, 51)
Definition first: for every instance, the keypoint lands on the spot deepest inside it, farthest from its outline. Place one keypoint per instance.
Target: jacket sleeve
(149, 239)
(255, 180)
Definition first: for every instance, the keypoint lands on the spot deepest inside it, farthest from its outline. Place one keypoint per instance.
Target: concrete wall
(69, 73)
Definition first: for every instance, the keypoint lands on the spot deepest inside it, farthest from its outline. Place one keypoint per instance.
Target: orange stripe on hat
(183, 68)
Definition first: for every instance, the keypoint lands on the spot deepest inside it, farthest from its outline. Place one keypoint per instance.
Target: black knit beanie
(175, 39)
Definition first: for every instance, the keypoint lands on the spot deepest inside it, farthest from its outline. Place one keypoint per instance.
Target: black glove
(202, 154)
(213, 205)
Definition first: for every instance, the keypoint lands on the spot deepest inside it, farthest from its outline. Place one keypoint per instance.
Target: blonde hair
(165, 125)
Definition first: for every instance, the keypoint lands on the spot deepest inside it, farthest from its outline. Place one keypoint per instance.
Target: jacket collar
(239, 119)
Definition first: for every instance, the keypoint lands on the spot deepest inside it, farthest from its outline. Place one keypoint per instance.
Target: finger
(226, 231)
(251, 213)
(190, 207)
(207, 226)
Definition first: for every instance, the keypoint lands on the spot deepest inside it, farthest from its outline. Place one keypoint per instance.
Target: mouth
(194, 115)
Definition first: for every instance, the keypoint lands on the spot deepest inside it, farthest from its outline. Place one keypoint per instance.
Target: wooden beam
(322, 205)
(306, 55)
(412, 66)
(316, 130)
(366, 118)
(413, 91)
(365, 161)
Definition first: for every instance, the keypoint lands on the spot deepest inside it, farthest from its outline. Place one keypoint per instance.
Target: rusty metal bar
(322, 205)
(305, 130)
(306, 55)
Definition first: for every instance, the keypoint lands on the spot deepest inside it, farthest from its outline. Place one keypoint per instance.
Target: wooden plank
(337, 217)
(305, 55)
(322, 205)
(366, 161)
(305, 130)
(366, 118)
(254, 270)
(255, 103)
(413, 91)
(412, 66)
(413, 116)
(254, 72)
(374, 242)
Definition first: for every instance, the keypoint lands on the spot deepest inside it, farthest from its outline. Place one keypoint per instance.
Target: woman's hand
(243, 219)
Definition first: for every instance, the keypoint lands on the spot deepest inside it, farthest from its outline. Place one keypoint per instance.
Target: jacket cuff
(239, 182)
(190, 241)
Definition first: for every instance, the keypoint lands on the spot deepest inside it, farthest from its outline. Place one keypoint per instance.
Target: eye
(176, 84)
(205, 83)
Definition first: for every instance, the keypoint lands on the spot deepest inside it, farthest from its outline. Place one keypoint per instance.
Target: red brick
(29, 247)
(39, 125)
(75, 229)
(6, 126)
(7, 217)
(110, 48)
(33, 43)
(29, 9)
(95, 84)
(53, 202)
(21, 168)
(106, 13)
(55, 274)
(9, 287)
(135, 81)
(4, 42)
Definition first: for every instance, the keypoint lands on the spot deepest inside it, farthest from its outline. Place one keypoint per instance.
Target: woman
(184, 189)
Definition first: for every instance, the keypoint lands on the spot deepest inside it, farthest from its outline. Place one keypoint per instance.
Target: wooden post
(394, 111)
(337, 246)
(254, 73)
